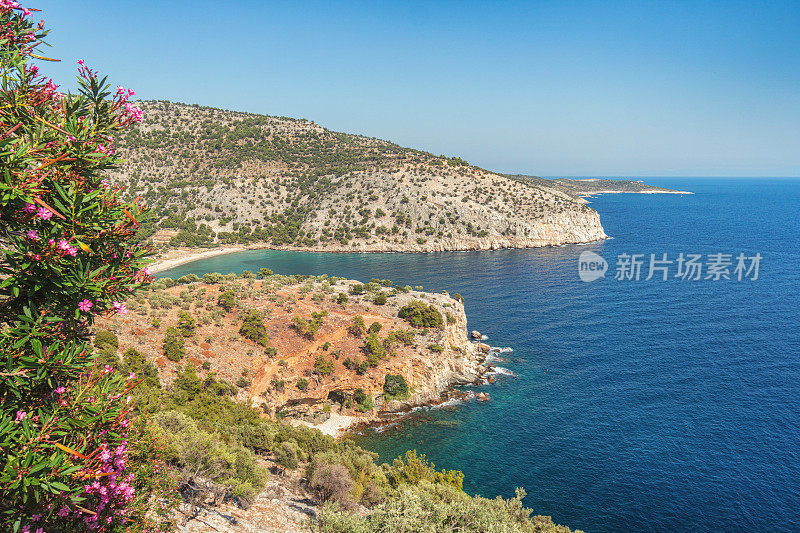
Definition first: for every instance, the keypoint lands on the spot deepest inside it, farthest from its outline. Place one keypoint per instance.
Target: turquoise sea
(642, 405)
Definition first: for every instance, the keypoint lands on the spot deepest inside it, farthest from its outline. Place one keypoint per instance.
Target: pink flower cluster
(113, 491)
(41, 212)
(120, 308)
(135, 113)
(66, 247)
(6, 5)
(124, 93)
(142, 274)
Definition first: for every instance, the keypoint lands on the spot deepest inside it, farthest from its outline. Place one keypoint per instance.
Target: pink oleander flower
(32, 235)
(72, 251)
(36, 517)
(132, 375)
(108, 369)
(44, 214)
(135, 113)
(30, 208)
(120, 308)
(85, 306)
(21, 415)
(64, 245)
(80, 62)
(61, 390)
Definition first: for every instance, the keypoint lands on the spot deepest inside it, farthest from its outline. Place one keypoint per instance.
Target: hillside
(219, 177)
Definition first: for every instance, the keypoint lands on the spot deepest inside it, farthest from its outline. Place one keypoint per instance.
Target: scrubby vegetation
(421, 315)
(212, 443)
(253, 327)
(395, 387)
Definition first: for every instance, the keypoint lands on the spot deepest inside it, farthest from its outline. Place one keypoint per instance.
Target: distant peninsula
(583, 187)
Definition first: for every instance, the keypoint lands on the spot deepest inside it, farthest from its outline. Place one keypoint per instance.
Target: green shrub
(302, 384)
(174, 344)
(395, 386)
(186, 323)
(436, 348)
(357, 327)
(421, 315)
(374, 328)
(324, 366)
(404, 337)
(287, 455)
(264, 273)
(145, 370)
(191, 449)
(363, 400)
(374, 350)
(227, 300)
(356, 289)
(450, 318)
(341, 299)
(106, 338)
(380, 298)
(212, 278)
(253, 327)
(309, 328)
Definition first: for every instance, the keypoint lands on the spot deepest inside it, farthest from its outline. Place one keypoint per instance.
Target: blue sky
(548, 88)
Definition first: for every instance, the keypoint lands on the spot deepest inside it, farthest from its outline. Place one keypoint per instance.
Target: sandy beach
(178, 257)
(335, 425)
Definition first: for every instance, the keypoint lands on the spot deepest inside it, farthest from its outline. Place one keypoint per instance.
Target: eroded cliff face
(428, 373)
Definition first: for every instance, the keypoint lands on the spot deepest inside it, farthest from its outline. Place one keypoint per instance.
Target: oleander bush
(69, 253)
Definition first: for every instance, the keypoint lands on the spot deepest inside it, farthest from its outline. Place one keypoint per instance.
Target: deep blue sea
(637, 405)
